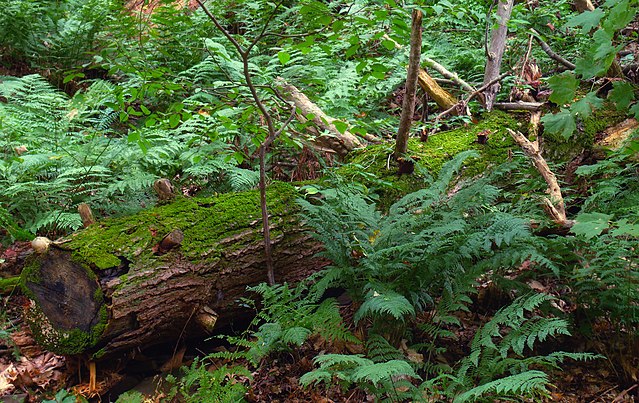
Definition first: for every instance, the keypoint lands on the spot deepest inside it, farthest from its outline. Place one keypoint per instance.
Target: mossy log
(116, 285)
(177, 270)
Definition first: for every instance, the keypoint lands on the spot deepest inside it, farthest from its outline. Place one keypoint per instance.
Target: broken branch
(555, 204)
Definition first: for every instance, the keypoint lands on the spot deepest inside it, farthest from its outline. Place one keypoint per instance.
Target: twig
(518, 106)
(448, 74)
(624, 393)
(552, 54)
(464, 102)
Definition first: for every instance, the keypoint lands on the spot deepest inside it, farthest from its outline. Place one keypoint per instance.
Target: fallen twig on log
(554, 205)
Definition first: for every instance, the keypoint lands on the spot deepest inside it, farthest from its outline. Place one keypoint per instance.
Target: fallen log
(175, 269)
(341, 142)
(443, 99)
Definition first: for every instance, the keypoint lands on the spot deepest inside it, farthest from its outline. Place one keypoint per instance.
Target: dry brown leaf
(7, 379)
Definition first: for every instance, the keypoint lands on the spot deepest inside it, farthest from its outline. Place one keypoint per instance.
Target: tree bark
(408, 106)
(496, 51)
(176, 270)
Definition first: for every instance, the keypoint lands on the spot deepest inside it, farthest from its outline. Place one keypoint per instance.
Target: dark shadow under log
(108, 289)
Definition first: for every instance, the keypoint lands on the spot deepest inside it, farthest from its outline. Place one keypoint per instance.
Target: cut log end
(66, 302)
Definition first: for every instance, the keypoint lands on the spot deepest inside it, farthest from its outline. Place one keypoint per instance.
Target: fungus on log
(108, 289)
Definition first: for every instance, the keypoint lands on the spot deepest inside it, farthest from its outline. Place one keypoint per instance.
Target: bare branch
(555, 205)
(448, 74)
(552, 54)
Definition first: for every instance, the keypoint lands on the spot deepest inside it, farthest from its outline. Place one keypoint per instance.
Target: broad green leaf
(622, 94)
(619, 16)
(590, 225)
(603, 45)
(562, 123)
(340, 126)
(284, 57)
(174, 121)
(352, 50)
(585, 106)
(563, 87)
(588, 20)
(390, 45)
(634, 110)
(145, 110)
(625, 228)
(598, 57)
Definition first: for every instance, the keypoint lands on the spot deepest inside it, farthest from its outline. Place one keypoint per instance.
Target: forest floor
(29, 374)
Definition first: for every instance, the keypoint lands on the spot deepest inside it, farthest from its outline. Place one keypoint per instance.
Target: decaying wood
(518, 106)
(408, 105)
(164, 189)
(554, 205)
(339, 142)
(615, 136)
(533, 129)
(85, 214)
(448, 74)
(496, 51)
(171, 240)
(583, 5)
(442, 97)
(462, 105)
(108, 290)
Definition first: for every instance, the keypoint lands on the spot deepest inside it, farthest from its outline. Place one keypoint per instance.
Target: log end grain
(66, 312)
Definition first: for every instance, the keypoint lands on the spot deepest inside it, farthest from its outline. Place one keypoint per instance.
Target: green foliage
(384, 379)
(199, 384)
(73, 155)
(50, 34)
(496, 366)
(64, 396)
(597, 59)
(397, 264)
(288, 317)
(603, 272)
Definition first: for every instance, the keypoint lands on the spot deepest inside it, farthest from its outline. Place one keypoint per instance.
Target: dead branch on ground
(554, 205)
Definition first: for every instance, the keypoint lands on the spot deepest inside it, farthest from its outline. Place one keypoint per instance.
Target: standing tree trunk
(495, 51)
(408, 106)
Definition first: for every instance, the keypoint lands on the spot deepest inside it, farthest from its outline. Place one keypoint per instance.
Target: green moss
(372, 166)
(7, 285)
(558, 149)
(204, 222)
(60, 341)
(30, 274)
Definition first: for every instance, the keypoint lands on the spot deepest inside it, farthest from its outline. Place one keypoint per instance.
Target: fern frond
(384, 303)
(525, 383)
(384, 371)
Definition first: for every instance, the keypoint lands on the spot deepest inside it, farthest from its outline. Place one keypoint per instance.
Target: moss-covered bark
(108, 288)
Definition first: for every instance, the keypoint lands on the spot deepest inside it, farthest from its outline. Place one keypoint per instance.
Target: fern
(400, 262)
(509, 332)
(378, 349)
(199, 384)
(386, 303)
(513, 385)
(288, 318)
